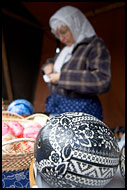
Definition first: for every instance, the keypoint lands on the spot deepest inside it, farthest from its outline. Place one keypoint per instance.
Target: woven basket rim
(19, 120)
(37, 115)
(11, 114)
(19, 154)
(14, 153)
(18, 140)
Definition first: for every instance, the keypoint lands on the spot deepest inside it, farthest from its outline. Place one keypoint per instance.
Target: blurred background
(27, 42)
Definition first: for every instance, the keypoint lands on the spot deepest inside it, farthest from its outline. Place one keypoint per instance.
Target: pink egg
(6, 129)
(17, 128)
(32, 131)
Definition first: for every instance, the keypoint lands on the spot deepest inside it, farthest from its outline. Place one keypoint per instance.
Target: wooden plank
(6, 71)
(105, 9)
(19, 18)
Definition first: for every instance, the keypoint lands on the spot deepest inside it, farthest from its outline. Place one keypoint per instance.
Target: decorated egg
(76, 150)
(32, 131)
(7, 135)
(6, 129)
(122, 162)
(17, 128)
(21, 107)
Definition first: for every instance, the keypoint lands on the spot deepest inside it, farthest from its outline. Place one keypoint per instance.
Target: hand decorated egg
(76, 150)
(21, 107)
(16, 128)
(7, 135)
(32, 131)
(122, 162)
(6, 129)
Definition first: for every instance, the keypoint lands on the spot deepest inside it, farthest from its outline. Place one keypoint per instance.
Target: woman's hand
(54, 77)
(48, 69)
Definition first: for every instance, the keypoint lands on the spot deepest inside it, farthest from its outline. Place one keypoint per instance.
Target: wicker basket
(8, 114)
(33, 116)
(39, 118)
(17, 158)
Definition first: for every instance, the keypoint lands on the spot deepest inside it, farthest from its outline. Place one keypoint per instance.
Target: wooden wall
(110, 26)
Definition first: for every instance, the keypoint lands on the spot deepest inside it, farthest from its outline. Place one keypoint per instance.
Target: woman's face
(65, 35)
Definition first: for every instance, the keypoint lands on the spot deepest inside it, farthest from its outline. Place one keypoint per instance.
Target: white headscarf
(79, 26)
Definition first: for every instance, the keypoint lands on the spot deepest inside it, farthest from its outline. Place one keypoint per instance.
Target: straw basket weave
(16, 157)
(10, 115)
(19, 160)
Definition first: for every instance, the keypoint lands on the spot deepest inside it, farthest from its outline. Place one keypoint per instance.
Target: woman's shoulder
(92, 39)
(87, 42)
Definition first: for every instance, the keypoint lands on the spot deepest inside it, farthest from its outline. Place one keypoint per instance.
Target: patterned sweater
(87, 73)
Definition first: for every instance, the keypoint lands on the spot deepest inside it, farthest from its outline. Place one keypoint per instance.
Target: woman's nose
(61, 37)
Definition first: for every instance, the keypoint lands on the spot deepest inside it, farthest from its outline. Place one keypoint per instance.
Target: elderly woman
(81, 71)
